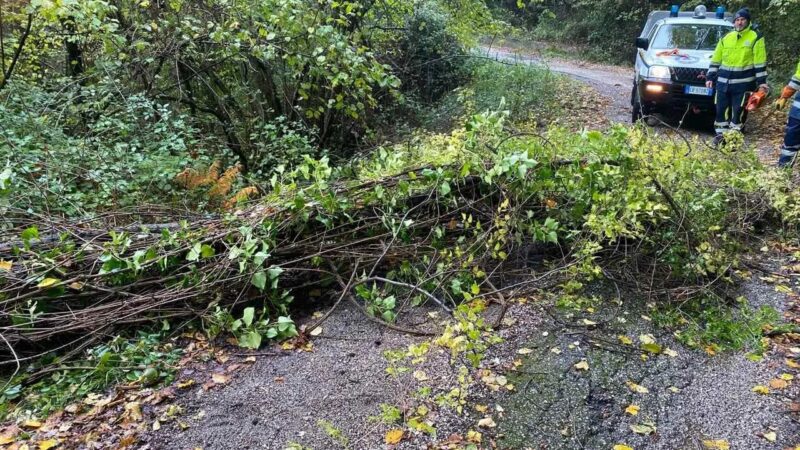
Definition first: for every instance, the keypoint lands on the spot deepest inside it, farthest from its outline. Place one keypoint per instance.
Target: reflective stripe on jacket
(794, 83)
(739, 61)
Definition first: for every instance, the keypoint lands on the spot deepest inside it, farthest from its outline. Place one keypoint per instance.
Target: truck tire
(637, 109)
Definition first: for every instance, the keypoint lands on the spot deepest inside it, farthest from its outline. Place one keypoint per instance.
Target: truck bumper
(670, 96)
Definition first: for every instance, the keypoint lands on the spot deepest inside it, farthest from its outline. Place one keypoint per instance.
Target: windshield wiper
(703, 39)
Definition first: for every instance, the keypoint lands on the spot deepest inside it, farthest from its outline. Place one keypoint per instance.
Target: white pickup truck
(673, 56)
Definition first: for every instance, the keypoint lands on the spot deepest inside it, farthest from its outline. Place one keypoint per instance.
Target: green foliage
(336, 435)
(249, 329)
(389, 415)
(127, 154)
(470, 335)
(145, 360)
(709, 323)
(530, 94)
(431, 56)
(378, 304)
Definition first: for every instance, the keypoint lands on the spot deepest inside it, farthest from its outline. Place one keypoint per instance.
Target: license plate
(698, 90)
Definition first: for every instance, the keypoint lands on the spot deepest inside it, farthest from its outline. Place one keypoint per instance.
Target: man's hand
(780, 103)
(709, 84)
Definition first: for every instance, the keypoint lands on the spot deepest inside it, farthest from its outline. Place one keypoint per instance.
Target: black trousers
(730, 110)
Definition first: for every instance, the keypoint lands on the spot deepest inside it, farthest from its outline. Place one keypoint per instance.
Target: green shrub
(431, 59)
(74, 156)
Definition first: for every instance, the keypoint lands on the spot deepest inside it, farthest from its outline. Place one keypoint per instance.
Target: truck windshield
(689, 36)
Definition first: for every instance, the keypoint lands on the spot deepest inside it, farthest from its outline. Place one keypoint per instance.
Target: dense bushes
(153, 88)
(66, 159)
(430, 57)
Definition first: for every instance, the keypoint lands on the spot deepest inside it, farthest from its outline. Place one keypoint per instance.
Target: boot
(786, 160)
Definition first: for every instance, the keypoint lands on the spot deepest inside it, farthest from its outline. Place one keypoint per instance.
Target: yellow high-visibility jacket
(794, 83)
(739, 62)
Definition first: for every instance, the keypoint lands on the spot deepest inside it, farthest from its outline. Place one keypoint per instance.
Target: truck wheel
(637, 109)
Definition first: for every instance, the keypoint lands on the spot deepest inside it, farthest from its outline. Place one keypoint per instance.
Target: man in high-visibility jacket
(738, 66)
(791, 139)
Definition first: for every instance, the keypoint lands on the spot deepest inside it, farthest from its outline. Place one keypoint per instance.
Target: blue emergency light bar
(673, 11)
(720, 12)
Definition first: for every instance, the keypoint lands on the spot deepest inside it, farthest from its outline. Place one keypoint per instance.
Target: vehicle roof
(656, 17)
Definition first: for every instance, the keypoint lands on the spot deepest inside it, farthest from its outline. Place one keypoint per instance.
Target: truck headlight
(659, 72)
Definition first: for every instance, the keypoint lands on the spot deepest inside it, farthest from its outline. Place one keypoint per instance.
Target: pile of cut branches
(480, 214)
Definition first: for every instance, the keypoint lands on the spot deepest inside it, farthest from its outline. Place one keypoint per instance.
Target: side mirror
(642, 43)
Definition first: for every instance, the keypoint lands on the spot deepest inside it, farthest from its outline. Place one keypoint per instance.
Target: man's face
(740, 23)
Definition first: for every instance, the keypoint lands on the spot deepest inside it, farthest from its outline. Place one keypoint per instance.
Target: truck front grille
(688, 75)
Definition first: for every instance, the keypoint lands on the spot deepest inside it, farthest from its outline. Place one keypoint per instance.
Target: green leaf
(194, 253)
(444, 189)
(30, 233)
(651, 347)
(259, 258)
(251, 340)
(247, 316)
(259, 280)
(388, 316)
(475, 289)
(206, 251)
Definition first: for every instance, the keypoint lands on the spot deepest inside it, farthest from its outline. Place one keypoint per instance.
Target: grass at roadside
(534, 97)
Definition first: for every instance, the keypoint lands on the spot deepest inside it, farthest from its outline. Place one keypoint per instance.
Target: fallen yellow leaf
(583, 365)
(186, 383)
(420, 375)
(220, 378)
(47, 282)
(670, 352)
(632, 410)
(474, 436)
(771, 436)
(588, 322)
(6, 440)
(394, 436)
(637, 388)
(763, 390)
(792, 363)
(782, 288)
(481, 408)
(625, 340)
(647, 339)
(787, 377)
(133, 412)
(5, 265)
(31, 424)
(48, 444)
(717, 444)
(622, 447)
(643, 429)
(778, 383)
(487, 422)
(524, 351)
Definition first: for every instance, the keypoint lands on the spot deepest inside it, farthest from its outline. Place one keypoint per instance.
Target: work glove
(780, 104)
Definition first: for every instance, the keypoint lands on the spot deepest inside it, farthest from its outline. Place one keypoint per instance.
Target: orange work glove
(786, 94)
